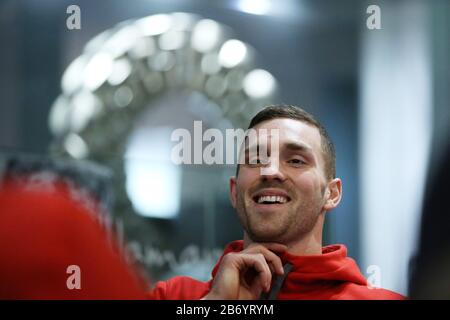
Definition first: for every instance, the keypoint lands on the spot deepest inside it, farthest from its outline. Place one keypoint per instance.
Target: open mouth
(263, 198)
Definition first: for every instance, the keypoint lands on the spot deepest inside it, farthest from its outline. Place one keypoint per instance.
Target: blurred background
(104, 99)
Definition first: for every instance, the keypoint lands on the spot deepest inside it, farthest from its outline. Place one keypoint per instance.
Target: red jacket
(331, 275)
(42, 233)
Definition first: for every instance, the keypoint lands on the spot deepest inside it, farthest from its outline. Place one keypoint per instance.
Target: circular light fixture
(259, 84)
(123, 69)
(232, 53)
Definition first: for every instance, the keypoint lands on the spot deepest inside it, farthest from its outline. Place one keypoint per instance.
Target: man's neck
(306, 247)
(308, 244)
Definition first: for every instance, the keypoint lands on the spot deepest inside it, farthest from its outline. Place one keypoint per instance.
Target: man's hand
(246, 274)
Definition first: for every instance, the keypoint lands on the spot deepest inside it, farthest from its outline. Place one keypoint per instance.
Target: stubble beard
(282, 227)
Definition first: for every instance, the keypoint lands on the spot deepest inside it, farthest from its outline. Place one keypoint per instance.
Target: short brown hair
(297, 113)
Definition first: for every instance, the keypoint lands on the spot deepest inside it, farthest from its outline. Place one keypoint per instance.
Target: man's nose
(272, 170)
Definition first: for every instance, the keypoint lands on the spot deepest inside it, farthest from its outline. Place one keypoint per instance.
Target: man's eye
(297, 161)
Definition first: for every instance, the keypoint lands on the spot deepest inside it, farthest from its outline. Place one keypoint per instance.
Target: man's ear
(333, 194)
(233, 193)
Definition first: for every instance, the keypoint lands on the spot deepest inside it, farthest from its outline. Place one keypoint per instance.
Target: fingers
(258, 262)
(271, 257)
(230, 283)
(245, 274)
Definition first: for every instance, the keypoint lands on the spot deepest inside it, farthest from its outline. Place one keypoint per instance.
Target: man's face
(285, 204)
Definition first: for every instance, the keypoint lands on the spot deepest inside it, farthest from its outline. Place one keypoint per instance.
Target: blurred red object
(42, 233)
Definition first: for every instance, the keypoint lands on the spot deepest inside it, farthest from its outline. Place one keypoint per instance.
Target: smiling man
(282, 210)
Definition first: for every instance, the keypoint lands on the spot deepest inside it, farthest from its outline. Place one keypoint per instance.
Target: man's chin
(266, 236)
(270, 210)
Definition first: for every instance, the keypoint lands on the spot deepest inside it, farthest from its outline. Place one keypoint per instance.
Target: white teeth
(279, 199)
